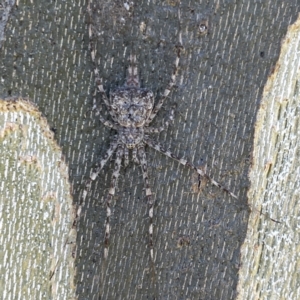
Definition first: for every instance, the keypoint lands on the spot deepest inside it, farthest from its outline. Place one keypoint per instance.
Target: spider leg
(98, 80)
(143, 162)
(112, 147)
(102, 92)
(126, 157)
(169, 86)
(103, 161)
(111, 193)
(184, 162)
(105, 122)
(164, 126)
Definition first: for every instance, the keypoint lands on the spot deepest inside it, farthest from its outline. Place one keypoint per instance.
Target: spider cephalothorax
(132, 106)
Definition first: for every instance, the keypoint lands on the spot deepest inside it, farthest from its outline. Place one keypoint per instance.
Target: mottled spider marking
(132, 79)
(111, 193)
(143, 162)
(185, 162)
(132, 109)
(132, 106)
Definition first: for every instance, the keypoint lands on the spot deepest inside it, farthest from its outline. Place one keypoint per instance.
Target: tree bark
(270, 253)
(36, 211)
(219, 92)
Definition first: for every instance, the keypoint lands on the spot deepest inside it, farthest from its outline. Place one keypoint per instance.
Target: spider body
(131, 137)
(132, 106)
(132, 109)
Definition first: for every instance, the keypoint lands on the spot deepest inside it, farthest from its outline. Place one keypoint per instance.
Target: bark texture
(36, 212)
(219, 91)
(270, 254)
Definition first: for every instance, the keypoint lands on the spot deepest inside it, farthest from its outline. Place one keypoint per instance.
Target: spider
(132, 109)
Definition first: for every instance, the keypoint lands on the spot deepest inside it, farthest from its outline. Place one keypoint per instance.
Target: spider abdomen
(131, 136)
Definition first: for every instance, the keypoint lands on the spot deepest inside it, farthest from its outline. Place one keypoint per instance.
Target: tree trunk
(270, 253)
(36, 212)
(230, 49)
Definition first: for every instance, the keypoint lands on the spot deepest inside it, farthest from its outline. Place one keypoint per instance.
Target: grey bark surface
(5, 8)
(219, 87)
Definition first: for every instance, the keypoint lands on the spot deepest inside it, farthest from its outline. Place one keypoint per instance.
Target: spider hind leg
(111, 193)
(102, 163)
(143, 163)
(185, 162)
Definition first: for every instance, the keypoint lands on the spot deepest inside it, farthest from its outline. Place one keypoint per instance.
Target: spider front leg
(103, 95)
(98, 80)
(143, 163)
(184, 162)
(169, 86)
(134, 156)
(110, 195)
(105, 122)
(164, 126)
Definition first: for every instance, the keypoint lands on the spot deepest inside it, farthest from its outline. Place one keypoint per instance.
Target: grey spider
(132, 109)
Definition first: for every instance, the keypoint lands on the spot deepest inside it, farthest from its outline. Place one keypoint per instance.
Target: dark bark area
(222, 74)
